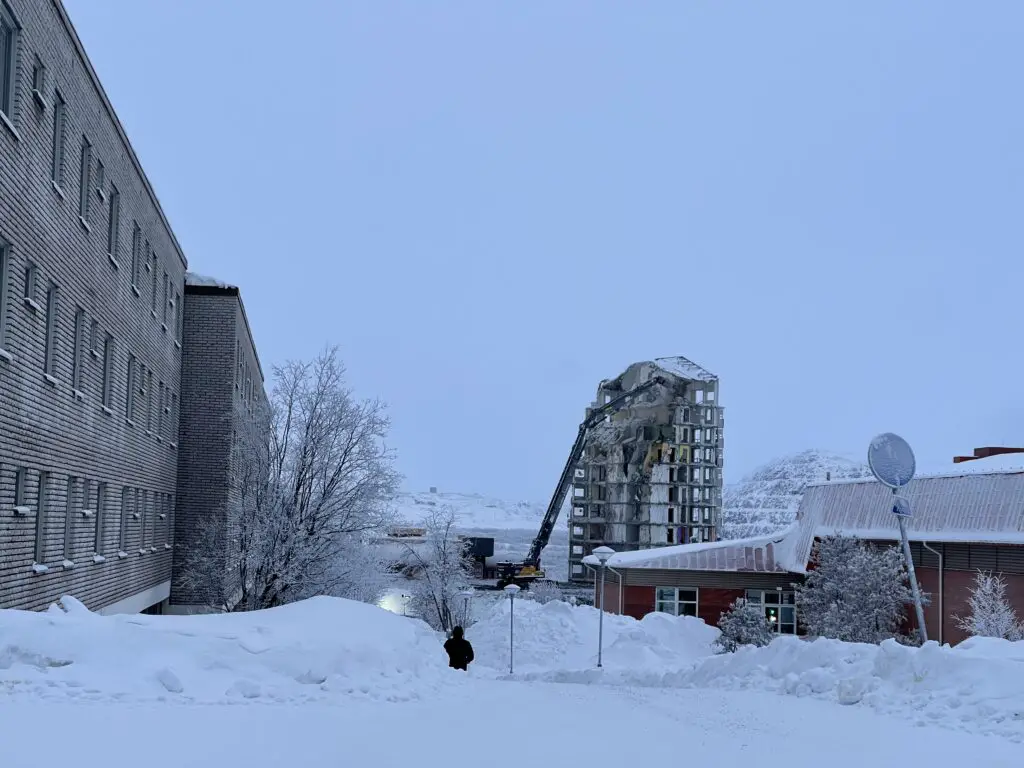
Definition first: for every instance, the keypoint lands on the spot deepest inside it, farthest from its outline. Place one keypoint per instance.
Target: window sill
(153, 313)
(174, 446)
(10, 126)
(163, 327)
(130, 423)
(32, 304)
(177, 344)
(22, 511)
(84, 223)
(135, 515)
(122, 555)
(51, 380)
(67, 565)
(149, 433)
(99, 559)
(136, 291)
(162, 516)
(5, 355)
(38, 97)
(39, 569)
(167, 546)
(106, 410)
(101, 194)
(152, 549)
(88, 513)
(114, 262)
(95, 354)
(78, 394)
(143, 551)
(57, 189)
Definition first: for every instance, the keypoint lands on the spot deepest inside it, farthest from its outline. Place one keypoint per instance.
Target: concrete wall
(55, 421)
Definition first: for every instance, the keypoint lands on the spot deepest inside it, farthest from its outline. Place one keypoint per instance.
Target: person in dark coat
(460, 652)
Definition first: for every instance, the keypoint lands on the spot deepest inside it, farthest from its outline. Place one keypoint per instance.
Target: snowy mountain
(766, 500)
(473, 510)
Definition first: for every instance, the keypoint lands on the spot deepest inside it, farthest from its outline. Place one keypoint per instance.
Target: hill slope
(766, 500)
(472, 510)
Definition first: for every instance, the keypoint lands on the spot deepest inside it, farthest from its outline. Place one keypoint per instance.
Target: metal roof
(973, 508)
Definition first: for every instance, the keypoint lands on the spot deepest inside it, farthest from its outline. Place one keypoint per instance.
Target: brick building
(961, 523)
(92, 311)
(224, 408)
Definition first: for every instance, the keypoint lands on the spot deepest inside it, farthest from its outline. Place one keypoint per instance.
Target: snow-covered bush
(544, 592)
(743, 624)
(855, 592)
(991, 615)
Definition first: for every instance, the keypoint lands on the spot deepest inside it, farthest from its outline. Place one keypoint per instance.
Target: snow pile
(766, 501)
(557, 641)
(194, 278)
(977, 686)
(314, 650)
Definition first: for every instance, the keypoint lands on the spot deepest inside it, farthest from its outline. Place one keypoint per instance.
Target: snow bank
(314, 650)
(557, 641)
(977, 686)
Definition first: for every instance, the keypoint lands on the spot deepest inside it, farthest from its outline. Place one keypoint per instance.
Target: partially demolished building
(651, 473)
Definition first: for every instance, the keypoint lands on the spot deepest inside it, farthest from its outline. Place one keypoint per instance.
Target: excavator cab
(520, 574)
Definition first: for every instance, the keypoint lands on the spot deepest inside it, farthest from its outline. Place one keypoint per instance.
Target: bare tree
(312, 481)
(443, 569)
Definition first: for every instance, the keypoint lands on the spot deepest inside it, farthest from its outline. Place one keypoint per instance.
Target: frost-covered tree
(855, 591)
(544, 592)
(311, 482)
(743, 624)
(991, 614)
(443, 567)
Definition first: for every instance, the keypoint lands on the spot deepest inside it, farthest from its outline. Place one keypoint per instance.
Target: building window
(181, 315)
(5, 251)
(31, 278)
(38, 78)
(8, 40)
(152, 269)
(779, 608)
(114, 222)
(149, 401)
(167, 300)
(101, 509)
(143, 509)
(122, 536)
(129, 400)
(50, 354)
(85, 180)
(76, 354)
(108, 369)
(42, 504)
(94, 337)
(69, 518)
(59, 139)
(136, 255)
(679, 601)
(19, 487)
(101, 178)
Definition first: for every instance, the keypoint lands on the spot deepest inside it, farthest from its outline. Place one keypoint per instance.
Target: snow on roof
(985, 508)
(687, 369)
(980, 508)
(763, 554)
(194, 278)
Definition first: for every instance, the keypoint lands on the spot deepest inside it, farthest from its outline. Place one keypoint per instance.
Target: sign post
(893, 464)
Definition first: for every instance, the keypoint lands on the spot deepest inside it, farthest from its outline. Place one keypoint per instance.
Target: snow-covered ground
(473, 510)
(335, 682)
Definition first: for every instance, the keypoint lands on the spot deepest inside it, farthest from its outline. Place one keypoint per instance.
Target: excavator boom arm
(592, 420)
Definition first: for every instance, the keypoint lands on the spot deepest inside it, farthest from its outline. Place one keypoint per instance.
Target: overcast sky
(491, 206)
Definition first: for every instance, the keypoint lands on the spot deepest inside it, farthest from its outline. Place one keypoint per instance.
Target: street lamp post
(602, 554)
(466, 595)
(511, 590)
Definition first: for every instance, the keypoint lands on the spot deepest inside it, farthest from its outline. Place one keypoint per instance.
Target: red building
(961, 523)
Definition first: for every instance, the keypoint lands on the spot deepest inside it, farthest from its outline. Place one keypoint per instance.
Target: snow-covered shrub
(743, 624)
(991, 615)
(544, 592)
(855, 592)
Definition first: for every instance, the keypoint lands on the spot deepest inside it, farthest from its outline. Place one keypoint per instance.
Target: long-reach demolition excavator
(529, 570)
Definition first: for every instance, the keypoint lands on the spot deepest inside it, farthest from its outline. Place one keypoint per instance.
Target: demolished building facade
(651, 473)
